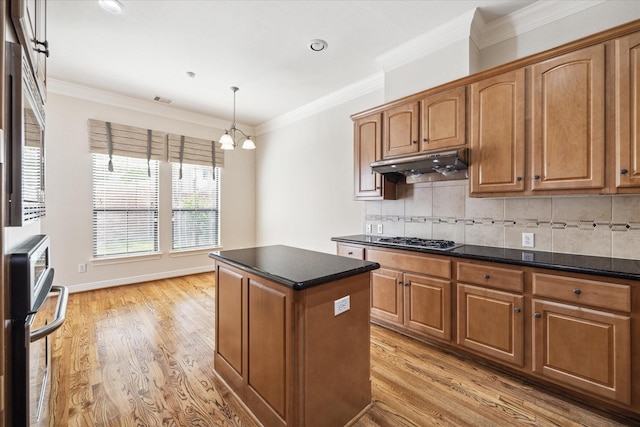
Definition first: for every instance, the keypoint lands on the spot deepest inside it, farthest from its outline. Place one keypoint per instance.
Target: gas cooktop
(416, 242)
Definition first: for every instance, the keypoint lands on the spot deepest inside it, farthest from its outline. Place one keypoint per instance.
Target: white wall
(305, 180)
(69, 197)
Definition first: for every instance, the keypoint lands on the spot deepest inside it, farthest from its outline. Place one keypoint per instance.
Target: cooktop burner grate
(418, 242)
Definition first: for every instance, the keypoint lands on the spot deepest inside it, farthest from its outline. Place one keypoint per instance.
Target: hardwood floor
(141, 355)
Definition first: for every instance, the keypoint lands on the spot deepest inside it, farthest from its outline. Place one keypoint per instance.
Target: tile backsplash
(606, 226)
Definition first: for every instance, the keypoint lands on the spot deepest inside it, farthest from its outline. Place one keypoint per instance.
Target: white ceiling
(259, 46)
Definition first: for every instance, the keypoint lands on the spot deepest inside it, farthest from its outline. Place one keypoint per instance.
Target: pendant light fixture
(228, 140)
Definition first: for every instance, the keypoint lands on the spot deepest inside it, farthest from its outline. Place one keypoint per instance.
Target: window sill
(125, 259)
(195, 251)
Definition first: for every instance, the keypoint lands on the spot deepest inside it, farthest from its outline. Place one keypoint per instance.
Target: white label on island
(341, 305)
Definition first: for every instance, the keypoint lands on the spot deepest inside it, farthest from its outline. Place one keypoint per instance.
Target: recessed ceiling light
(317, 45)
(112, 6)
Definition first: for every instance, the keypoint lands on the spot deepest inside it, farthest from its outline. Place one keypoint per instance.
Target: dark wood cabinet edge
(601, 37)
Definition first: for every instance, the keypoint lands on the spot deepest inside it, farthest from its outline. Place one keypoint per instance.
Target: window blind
(195, 151)
(126, 141)
(125, 206)
(195, 206)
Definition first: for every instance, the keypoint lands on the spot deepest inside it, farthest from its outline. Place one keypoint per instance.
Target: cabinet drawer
(606, 295)
(489, 275)
(431, 266)
(350, 251)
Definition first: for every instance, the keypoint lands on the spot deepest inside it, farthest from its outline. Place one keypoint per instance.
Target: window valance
(127, 141)
(195, 151)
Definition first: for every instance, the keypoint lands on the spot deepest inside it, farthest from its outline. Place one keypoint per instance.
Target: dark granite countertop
(601, 266)
(294, 267)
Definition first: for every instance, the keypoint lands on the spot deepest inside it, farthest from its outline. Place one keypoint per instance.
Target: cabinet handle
(538, 315)
(577, 291)
(349, 253)
(624, 171)
(377, 188)
(46, 51)
(407, 283)
(44, 44)
(517, 310)
(518, 178)
(536, 176)
(425, 139)
(486, 276)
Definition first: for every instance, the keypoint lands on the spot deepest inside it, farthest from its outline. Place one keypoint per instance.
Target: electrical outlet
(527, 240)
(369, 228)
(341, 305)
(527, 256)
(379, 228)
(82, 268)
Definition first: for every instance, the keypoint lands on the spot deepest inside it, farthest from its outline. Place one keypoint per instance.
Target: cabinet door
(229, 321)
(497, 134)
(387, 295)
(267, 331)
(628, 111)
(491, 323)
(443, 120)
(367, 149)
(401, 130)
(568, 121)
(427, 306)
(586, 349)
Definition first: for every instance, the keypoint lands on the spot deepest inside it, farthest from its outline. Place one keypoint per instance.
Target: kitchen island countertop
(293, 267)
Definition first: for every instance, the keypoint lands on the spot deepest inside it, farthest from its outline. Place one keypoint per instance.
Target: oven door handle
(61, 314)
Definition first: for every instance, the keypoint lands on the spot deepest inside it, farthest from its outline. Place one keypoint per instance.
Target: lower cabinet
(420, 303)
(282, 352)
(491, 322)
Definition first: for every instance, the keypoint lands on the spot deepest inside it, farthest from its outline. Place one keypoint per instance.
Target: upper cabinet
(367, 149)
(627, 170)
(401, 130)
(497, 136)
(30, 21)
(567, 121)
(443, 120)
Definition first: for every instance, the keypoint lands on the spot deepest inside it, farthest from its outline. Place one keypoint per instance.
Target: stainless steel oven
(37, 309)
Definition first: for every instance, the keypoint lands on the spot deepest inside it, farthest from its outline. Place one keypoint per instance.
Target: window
(195, 206)
(125, 206)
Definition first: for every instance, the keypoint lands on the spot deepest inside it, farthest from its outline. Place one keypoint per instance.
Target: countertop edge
(504, 260)
(293, 284)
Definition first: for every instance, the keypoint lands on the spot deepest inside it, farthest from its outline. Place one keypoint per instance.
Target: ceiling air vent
(162, 100)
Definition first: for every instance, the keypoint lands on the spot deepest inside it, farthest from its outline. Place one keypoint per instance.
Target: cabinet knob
(518, 178)
(400, 282)
(624, 171)
(415, 142)
(425, 139)
(407, 283)
(486, 276)
(517, 310)
(349, 253)
(577, 291)
(538, 315)
(536, 176)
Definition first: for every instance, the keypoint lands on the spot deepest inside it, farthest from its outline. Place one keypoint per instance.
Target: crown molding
(432, 41)
(529, 18)
(334, 99)
(61, 87)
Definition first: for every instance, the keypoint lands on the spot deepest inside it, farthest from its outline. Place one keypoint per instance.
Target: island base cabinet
(587, 349)
(287, 355)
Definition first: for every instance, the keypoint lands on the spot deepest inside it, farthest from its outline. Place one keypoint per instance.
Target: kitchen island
(292, 334)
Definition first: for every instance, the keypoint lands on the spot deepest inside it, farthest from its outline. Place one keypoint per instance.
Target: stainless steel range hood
(449, 164)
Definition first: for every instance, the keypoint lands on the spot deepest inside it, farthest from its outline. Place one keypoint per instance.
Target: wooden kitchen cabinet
(498, 135)
(443, 120)
(568, 121)
(367, 149)
(412, 292)
(30, 21)
(401, 127)
(627, 170)
(282, 351)
(583, 338)
(350, 251)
